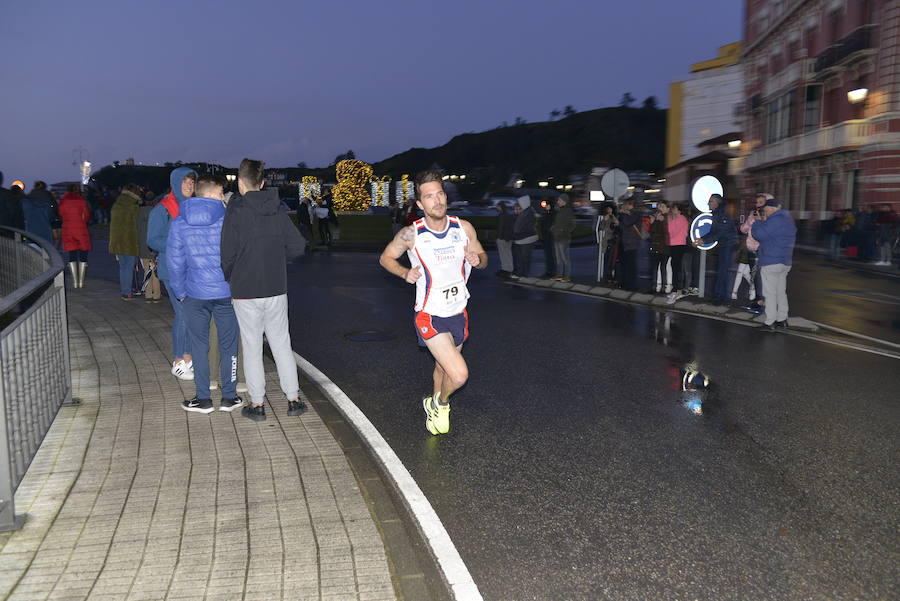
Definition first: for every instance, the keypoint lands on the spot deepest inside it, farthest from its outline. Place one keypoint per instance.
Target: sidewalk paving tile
(132, 498)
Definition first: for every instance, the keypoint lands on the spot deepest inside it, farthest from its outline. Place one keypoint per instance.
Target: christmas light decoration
(350, 192)
(405, 190)
(381, 190)
(310, 187)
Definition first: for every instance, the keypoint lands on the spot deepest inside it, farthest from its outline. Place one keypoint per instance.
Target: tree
(520, 121)
(302, 165)
(569, 110)
(554, 114)
(627, 99)
(650, 103)
(346, 156)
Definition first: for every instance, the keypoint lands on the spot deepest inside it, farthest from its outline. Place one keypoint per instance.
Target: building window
(834, 26)
(805, 190)
(853, 188)
(793, 50)
(810, 41)
(826, 193)
(779, 116)
(812, 108)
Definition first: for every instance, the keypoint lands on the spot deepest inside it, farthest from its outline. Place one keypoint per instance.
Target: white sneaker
(183, 370)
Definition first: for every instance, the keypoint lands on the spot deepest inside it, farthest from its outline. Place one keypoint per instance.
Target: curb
(690, 307)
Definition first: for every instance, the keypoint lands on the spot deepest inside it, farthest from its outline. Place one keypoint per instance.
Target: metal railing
(34, 356)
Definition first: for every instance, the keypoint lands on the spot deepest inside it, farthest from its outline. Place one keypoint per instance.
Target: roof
(723, 139)
(716, 156)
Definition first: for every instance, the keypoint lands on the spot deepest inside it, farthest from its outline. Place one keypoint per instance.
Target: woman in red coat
(75, 214)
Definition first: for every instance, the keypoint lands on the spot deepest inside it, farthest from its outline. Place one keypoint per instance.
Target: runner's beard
(436, 213)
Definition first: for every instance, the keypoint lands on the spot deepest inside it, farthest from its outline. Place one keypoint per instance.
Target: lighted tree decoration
(353, 176)
(310, 187)
(381, 190)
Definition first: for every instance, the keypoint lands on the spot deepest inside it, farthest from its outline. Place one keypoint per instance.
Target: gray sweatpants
(774, 281)
(269, 316)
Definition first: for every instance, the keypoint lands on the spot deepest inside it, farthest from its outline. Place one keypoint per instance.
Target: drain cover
(370, 336)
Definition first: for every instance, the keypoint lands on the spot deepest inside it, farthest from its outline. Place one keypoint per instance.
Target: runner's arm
(401, 243)
(475, 250)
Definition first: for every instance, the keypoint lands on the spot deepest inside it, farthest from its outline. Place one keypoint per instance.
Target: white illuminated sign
(703, 188)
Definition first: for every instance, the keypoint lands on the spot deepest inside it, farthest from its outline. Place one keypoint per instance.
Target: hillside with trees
(632, 139)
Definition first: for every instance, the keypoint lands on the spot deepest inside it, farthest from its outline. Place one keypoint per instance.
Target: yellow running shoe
(429, 413)
(440, 417)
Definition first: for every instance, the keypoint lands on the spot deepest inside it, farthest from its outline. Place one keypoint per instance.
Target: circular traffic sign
(703, 188)
(614, 183)
(700, 226)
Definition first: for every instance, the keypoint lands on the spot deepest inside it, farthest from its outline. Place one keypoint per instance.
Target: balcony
(856, 44)
(848, 134)
(795, 72)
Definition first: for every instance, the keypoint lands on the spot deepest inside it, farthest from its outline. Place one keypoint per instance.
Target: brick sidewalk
(132, 498)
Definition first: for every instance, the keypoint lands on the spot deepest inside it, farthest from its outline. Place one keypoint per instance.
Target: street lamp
(230, 177)
(734, 144)
(543, 184)
(858, 95)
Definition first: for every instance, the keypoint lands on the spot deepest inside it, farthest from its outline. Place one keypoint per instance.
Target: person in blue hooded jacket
(182, 181)
(777, 234)
(196, 280)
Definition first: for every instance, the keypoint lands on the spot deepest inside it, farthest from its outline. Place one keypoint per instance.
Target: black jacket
(258, 239)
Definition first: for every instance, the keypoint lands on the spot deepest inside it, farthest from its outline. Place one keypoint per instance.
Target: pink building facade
(804, 139)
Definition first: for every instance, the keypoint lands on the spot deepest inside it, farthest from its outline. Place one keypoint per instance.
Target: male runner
(442, 251)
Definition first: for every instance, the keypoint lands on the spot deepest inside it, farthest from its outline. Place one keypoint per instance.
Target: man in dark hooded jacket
(258, 239)
(10, 208)
(163, 214)
(39, 209)
(725, 233)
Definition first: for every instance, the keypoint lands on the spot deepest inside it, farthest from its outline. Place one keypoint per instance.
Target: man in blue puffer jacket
(776, 234)
(197, 282)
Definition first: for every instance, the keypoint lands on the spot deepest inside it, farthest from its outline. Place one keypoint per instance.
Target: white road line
(454, 571)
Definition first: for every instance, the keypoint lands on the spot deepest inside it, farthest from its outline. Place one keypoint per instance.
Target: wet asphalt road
(574, 470)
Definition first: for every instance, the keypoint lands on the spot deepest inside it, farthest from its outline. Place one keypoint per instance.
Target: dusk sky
(289, 81)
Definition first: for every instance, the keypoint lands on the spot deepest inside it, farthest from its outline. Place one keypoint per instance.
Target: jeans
(197, 313)
(181, 344)
(504, 247)
(629, 269)
(126, 273)
(549, 258)
(522, 256)
(563, 260)
(774, 281)
(659, 264)
(269, 316)
(834, 246)
(678, 273)
(723, 272)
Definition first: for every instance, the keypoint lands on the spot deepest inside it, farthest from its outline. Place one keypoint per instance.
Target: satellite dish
(614, 183)
(700, 226)
(703, 188)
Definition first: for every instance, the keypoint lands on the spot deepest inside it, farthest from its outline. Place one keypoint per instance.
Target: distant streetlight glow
(543, 184)
(734, 144)
(568, 186)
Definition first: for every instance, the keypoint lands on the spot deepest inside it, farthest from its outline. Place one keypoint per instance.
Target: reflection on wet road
(603, 450)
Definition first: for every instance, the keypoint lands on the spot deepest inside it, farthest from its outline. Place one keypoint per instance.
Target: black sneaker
(782, 324)
(231, 404)
(198, 405)
(255, 412)
(296, 408)
(766, 327)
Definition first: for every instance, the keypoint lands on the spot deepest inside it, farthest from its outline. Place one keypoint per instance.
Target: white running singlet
(441, 290)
